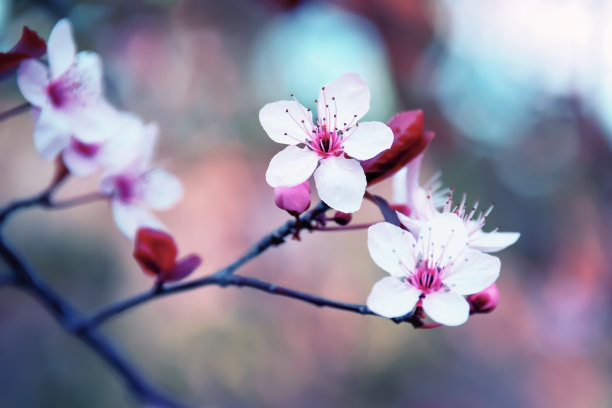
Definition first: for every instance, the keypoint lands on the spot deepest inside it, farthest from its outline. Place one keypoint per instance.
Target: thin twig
(66, 316)
(346, 227)
(79, 200)
(14, 111)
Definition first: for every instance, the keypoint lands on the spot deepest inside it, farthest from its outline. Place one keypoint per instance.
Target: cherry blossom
(68, 95)
(133, 184)
(435, 271)
(429, 200)
(332, 147)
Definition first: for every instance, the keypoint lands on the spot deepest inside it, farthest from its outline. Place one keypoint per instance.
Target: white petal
(494, 241)
(400, 186)
(51, 133)
(130, 217)
(443, 239)
(413, 225)
(32, 78)
(162, 189)
(367, 140)
(94, 123)
(341, 183)
(473, 272)
(291, 166)
(392, 248)
(447, 308)
(60, 48)
(131, 142)
(86, 73)
(348, 97)
(282, 121)
(391, 297)
(78, 164)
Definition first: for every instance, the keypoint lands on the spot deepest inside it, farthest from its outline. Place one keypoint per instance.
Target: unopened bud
(484, 301)
(342, 218)
(294, 200)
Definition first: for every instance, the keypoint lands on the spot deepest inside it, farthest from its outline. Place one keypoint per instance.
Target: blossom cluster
(436, 253)
(75, 121)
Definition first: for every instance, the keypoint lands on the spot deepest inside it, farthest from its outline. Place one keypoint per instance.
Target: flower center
(124, 187)
(425, 278)
(84, 149)
(326, 143)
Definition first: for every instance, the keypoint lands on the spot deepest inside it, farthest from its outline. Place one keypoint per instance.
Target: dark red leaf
(29, 46)
(409, 141)
(155, 251)
(387, 212)
(182, 269)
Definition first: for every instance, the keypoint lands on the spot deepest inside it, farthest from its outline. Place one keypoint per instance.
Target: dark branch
(67, 316)
(14, 111)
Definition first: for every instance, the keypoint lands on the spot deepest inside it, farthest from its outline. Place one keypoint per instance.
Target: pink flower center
(326, 143)
(427, 279)
(124, 187)
(58, 93)
(84, 149)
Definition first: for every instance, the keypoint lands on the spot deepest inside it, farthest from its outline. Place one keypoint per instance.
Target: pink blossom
(68, 95)
(133, 184)
(434, 271)
(332, 147)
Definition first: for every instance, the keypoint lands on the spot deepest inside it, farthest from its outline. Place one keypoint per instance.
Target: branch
(14, 111)
(7, 279)
(66, 316)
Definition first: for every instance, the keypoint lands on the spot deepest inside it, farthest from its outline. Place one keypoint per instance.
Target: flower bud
(294, 200)
(155, 252)
(409, 140)
(342, 218)
(484, 301)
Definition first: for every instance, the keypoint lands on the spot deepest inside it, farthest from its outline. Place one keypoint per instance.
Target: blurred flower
(294, 200)
(134, 185)
(340, 181)
(409, 140)
(68, 94)
(30, 45)
(434, 272)
(155, 252)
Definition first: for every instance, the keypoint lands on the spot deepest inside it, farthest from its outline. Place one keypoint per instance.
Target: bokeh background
(519, 93)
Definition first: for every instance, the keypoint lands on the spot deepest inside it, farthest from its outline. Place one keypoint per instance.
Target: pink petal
(341, 183)
(391, 297)
(347, 97)
(286, 122)
(78, 164)
(32, 79)
(473, 272)
(95, 123)
(493, 241)
(60, 48)
(291, 166)
(367, 140)
(446, 307)
(392, 248)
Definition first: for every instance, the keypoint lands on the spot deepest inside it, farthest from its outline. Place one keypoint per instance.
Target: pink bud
(342, 218)
(484, 301)
(294, 199)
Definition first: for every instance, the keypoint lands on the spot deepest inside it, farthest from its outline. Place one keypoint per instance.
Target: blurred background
(519, 93)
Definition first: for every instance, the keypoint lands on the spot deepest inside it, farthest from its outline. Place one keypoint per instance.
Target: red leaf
(409, 141)
(155, 251)
(29, 46)
(182, 269)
